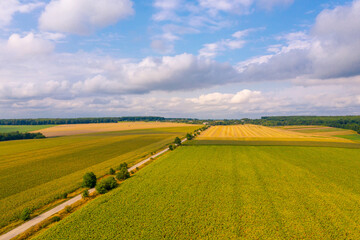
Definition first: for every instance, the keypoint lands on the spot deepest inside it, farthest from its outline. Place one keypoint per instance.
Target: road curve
(27, 225)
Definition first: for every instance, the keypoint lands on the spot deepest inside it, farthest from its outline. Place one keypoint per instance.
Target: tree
(89, 180)
(189, 136)
(111, 171)
(177, 141)
(25, 214)
(123, 174)
(123, 165)
(171, 147)
(106, 185)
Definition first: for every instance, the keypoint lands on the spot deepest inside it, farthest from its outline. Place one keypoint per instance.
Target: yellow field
(74, 129)
(250, 132)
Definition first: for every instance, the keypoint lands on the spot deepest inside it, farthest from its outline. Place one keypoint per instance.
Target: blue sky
(177, 58)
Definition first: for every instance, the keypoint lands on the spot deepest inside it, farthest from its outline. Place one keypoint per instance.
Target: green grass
(354, 137)
(34, 172)
(22, 128)
(229, 192)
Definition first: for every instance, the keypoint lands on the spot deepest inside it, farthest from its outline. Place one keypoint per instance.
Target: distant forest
(346, 122)
(54, 121)
(18, 135)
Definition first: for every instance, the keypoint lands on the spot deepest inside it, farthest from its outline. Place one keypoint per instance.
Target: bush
(123, 165)
(64, 195)
(171, 147)
(132, 172)
(85, 193)
(25, 214)
(68, 209)
(106, 185)
(189, 136)
(55, 219)
(177, 141)
(123, 174)
(89, 180)
(111, 171)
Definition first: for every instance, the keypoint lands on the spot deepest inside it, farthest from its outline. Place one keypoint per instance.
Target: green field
(22, 128)
(35, 172)
(354, 137)
(229, 192)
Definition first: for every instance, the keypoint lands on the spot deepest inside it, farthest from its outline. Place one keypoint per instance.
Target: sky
(176, 58)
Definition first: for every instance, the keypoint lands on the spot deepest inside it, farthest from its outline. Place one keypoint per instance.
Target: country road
(27, 225)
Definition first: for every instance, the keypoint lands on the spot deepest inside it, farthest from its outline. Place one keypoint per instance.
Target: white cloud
(9, 7)
(330, 50)
(83, 16)
(211, 50)
(235, 6)
(27, 46)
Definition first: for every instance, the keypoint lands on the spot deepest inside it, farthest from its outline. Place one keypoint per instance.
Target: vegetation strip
(22, 228)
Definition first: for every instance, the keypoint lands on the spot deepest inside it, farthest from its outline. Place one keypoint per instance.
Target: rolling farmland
(250, 132)
(74, 129)
(229, 192)
(34, 172)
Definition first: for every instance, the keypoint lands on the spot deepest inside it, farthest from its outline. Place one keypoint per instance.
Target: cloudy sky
(178, 58)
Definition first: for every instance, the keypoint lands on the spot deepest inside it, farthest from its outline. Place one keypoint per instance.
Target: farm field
(320, 130)
(22, 128)
(250, 132)
(229, 192)
(34, 172)
(74, 129)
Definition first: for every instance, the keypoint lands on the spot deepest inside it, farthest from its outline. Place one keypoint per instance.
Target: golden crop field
(74, 129)
(257, 132)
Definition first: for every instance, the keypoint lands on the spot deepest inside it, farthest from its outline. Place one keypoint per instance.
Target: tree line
(18, 135)
(55, 121)
(346, 122)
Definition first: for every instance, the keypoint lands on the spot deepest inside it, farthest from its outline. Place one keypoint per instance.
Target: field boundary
(274, 143)
(40, 218)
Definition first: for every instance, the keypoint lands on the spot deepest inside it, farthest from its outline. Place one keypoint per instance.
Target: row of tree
(55, 121)
(346, 122)
(18, 135)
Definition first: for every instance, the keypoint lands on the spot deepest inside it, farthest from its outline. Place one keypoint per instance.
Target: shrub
(55, 219)
(137, 169)
(89, 180)
(132, 172)
(85, 193)
(177, 141)
(25, 214)
(106, 185)
(123, 165)
(189, 136)
(68, 209)
(123, 174)
(111, 171)
(64, 195)
(171, 147)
